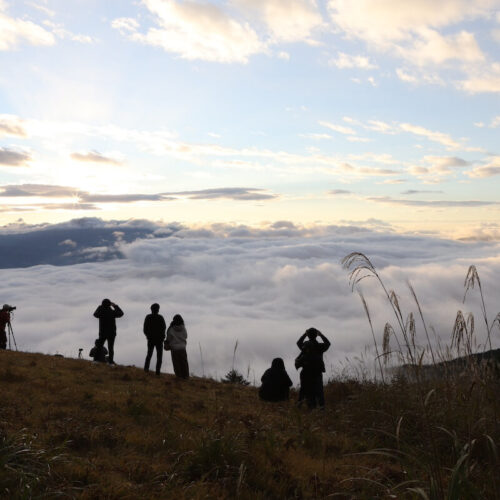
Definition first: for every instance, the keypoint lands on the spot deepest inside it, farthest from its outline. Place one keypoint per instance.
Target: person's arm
(163, 326)
(145, 328)
(118, 312)
(97, 313)
(300, 342)
(326, 342)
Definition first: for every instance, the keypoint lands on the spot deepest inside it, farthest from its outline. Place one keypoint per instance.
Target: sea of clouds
(262, 287)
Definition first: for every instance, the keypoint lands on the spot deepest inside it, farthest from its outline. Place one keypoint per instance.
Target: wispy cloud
(94, 157)
(341, 129)
(14, 31)
(11, 125)
(347, 61)
(491, 169)
(432, 203)
(84, 200)
(226, 193)
(13, 158)
(421, 191)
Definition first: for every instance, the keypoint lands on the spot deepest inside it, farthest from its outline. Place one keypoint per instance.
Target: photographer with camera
(107, 313)
(4, 323)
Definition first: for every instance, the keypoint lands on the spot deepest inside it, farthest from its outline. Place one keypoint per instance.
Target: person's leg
(320, 395)
(3, 340)
(175, 363)
(184, 364)
(151, 347)
(308, 391)
(111, 345)
(159, 356)
(301, 389)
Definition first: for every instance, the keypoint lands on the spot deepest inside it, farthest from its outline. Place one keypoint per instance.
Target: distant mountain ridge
(452, 366)
(76, 242)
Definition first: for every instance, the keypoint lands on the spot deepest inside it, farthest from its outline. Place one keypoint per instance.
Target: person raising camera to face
(107, 313)
(4, 321)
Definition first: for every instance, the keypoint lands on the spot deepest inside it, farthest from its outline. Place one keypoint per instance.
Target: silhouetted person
(313, 367)
(4, 321)
(275, 382)
(176, 338)
(154, 329)
(107, 313)
(99, 352)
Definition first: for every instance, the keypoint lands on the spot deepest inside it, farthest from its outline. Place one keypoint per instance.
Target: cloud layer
(261, 286)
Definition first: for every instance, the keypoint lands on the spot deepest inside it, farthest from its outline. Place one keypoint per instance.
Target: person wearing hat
(4, 321)
(107, 313)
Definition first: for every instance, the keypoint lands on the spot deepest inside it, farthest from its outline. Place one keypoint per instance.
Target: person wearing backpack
(311, 361)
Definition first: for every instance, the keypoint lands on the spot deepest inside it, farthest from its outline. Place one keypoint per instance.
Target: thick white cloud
(381, 21)
(15, 31)
(197, 30)
(434, 48)
(486, 79)
(424, 35)
(226, 32)
(286, 20)
(263, 287)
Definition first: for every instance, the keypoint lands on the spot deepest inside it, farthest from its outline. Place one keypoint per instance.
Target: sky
(221, 157)
(251, 110)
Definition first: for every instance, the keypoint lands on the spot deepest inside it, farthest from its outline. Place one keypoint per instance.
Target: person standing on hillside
(176, 342)
(4, 321)
(154, 329)
(313, 367)
(107, 313)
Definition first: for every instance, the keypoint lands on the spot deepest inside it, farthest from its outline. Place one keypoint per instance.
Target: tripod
(10, 333)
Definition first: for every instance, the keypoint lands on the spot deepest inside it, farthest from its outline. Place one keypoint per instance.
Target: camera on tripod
(8, 308)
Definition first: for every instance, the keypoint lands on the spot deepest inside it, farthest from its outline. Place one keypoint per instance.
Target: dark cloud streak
(12, 158)
(94, 157)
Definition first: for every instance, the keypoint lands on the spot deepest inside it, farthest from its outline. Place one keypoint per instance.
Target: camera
(8, 308)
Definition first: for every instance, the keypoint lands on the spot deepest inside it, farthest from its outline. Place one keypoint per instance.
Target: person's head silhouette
(177, 320)
(155, 308)
(278, 364)
(106, 302)
(312, 333)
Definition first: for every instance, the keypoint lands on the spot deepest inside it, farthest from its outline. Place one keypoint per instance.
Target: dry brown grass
(100, 432)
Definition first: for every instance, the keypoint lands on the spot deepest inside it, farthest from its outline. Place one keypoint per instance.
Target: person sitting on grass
(99, 353)
(275, 382)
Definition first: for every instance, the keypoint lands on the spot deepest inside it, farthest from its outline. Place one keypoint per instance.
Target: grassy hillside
(76, 429)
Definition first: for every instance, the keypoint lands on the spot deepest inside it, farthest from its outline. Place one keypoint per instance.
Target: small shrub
(235, 377)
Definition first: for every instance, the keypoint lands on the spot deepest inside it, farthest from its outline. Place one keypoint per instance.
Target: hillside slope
(86, 430)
